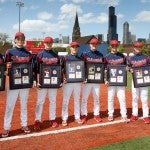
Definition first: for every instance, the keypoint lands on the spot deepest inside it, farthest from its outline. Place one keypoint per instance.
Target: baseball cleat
(54, 124)
(25, 129)
(125, 119)
(97, 118)
(146, 120)
(37, 125)
(84, 118)
(110, 118)
(133, 118)
(5, 133)
(79, 121)
(64, 123)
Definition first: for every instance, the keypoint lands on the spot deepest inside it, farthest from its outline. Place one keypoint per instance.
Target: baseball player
(116, 58)
(137, 60)
(93, 55)
(46, 56)
(20, 55)
(69, 88)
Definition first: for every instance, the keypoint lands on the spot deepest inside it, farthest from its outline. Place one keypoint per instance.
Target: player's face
(48, 45)
(137, 49)
(93, 46)
(74, 50)
(19, 41)
(114, 48)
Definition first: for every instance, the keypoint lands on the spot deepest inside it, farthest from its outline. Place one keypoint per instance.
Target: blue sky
(40, 18)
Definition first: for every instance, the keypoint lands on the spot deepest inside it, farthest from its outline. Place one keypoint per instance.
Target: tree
(3, 37)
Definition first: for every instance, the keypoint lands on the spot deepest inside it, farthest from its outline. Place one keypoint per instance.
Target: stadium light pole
(19, 4)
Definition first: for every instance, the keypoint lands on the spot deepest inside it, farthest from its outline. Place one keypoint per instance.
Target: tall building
(76, 29)
(127, 39)
(126, 33)
(112, 25)
(65, 39)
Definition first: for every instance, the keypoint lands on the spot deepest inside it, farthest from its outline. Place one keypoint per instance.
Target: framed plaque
(75, 71)
(141, 76)
(50, 76)
(2, 77)
(117, 75)
(21, 76)
(95, 72)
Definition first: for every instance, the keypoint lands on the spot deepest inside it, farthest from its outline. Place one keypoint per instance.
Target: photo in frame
(21, 76)
(74, 71)
(50, 76)
(141, 76)
(2, 77)
(95, 72)
(117, 75)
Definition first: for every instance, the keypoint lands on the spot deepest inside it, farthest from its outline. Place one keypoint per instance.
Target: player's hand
(84, 82)
(106, 83)
(131, 70)
(38, 86)
(34, 84)
(65, 81)
(9, 64)
(6, 72)
(127, 68)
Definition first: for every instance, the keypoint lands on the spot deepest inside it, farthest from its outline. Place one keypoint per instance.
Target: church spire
(76, 29)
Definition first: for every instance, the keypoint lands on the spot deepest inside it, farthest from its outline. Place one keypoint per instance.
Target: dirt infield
(75, 140)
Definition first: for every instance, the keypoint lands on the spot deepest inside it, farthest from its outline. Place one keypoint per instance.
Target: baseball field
(91, 135)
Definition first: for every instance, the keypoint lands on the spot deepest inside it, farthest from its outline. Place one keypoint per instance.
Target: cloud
(40, 25)
(68, 11)
(44, 15)
(91, 18)
(1, 1)
(73, 1)
(143, 16)
(145, 1)
(109, 2)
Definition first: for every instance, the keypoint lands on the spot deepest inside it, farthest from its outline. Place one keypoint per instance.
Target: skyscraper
(126, 33)
(112, 25)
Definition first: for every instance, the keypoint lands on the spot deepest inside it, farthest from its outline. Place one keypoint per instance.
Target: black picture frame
(50, 76)
(21, 76)
(117, 75)
(75, 71)
(2, 76)
(95, 72)
(141, 76)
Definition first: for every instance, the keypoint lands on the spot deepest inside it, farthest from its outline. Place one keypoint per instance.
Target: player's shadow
(46, 123)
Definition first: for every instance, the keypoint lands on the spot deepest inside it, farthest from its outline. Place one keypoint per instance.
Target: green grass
(142, 143)
(129, 82)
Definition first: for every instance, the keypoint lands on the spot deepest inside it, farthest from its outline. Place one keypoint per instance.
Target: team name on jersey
(136, 63)
(20, 59)
(50, 60)
(116, 61)
(94, 60)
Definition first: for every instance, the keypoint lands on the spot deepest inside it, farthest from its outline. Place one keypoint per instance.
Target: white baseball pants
(41, 94)
(120, 91)
(11, 99)
(141, 92)
(86, 89)
(68, 90)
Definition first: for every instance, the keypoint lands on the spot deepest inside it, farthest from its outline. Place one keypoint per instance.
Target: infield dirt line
(60, 130)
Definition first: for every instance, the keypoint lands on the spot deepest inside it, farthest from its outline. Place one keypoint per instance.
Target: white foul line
(60, 130)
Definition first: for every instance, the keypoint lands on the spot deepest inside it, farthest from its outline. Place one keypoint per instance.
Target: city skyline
(51, 18)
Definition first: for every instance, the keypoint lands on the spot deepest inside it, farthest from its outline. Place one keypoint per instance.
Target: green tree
(121, 48)
(145, 50)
